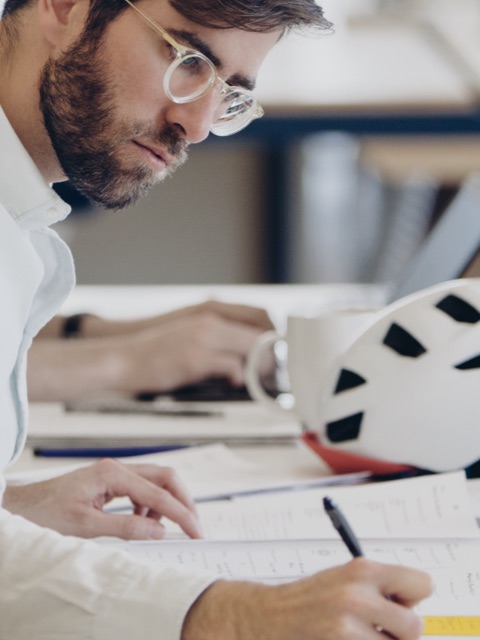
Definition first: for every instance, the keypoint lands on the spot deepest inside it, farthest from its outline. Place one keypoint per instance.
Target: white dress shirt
(51, 586)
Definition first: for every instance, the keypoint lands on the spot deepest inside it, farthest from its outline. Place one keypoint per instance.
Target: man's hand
(73, 503)
(201, 343)
(361, 600)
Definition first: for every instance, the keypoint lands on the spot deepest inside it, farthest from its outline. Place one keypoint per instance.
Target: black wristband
(72, 327)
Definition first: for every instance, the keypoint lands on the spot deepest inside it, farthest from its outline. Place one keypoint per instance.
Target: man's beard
(77, 103)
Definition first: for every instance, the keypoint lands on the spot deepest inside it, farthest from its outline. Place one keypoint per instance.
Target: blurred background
(368, 134)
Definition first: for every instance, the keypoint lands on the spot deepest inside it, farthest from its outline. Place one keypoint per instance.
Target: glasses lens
(235, 112)
(189, 76)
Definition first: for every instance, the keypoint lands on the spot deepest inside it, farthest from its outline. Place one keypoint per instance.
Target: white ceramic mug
(312, 344)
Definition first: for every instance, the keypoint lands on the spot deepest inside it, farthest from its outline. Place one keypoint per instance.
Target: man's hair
(10, 6)
(253, 15)
(248, 15)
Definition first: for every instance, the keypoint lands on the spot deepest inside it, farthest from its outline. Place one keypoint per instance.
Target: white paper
(454, 564)
(213, 471)
(424, 507)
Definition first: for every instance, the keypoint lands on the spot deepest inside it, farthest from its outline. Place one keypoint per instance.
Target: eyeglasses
(191, 75)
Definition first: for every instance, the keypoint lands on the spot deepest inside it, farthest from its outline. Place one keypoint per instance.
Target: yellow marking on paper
(451, 626)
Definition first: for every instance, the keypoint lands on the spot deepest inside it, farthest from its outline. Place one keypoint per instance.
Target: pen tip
(327, 502)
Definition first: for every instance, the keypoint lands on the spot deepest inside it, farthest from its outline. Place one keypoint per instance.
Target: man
(110, 94)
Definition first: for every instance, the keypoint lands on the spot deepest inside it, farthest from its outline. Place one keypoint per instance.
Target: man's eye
(193, 64)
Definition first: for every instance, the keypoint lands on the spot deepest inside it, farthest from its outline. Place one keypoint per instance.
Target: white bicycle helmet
(406, 391)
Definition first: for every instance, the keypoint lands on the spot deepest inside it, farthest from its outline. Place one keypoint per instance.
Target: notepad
(233, 423)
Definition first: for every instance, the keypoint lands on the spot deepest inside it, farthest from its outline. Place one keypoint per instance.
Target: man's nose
(194, 118)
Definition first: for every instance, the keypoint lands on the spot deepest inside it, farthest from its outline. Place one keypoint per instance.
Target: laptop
(451, 250)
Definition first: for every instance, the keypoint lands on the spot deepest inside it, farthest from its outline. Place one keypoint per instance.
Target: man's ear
(58, 19)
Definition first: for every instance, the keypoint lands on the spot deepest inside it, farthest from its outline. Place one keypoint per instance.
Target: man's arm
(159, 355)
(94, 326)
(56, 586)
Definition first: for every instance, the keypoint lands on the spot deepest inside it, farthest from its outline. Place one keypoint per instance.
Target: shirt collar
(24, 193)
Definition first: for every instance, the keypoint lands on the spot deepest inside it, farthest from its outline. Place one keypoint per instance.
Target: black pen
(341, 525)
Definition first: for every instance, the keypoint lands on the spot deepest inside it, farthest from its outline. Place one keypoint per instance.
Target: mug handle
(252, 379)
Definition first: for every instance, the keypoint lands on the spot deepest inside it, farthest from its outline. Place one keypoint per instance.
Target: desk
(293, 457)
(293, 460)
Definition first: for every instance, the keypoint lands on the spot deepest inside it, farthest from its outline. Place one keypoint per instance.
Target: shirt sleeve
(54, 587)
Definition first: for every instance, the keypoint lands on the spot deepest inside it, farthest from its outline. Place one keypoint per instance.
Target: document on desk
(283, 560)
(430, 508)
(424, 522)
(453, 564)
(433, 506)
(233, 422)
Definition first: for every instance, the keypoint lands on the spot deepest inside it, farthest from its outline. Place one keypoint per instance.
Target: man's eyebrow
(239, 80)
(197, 43)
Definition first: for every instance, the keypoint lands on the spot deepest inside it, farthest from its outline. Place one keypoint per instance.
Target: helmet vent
(348, 380)
(459, 309)
(401, 341)
(471, 363)
(347, 428)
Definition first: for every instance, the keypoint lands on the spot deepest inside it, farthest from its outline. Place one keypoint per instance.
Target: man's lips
(155, 157)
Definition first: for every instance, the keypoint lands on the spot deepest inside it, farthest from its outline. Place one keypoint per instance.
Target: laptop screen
(451, 250)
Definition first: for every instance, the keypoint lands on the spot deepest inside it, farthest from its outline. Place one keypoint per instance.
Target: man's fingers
(398, 621)
(243, 313)
(166, 478)
(402, 588)
(409, 586)
(129, 527)
(233, 337)
(246, 314)
(159, 500)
